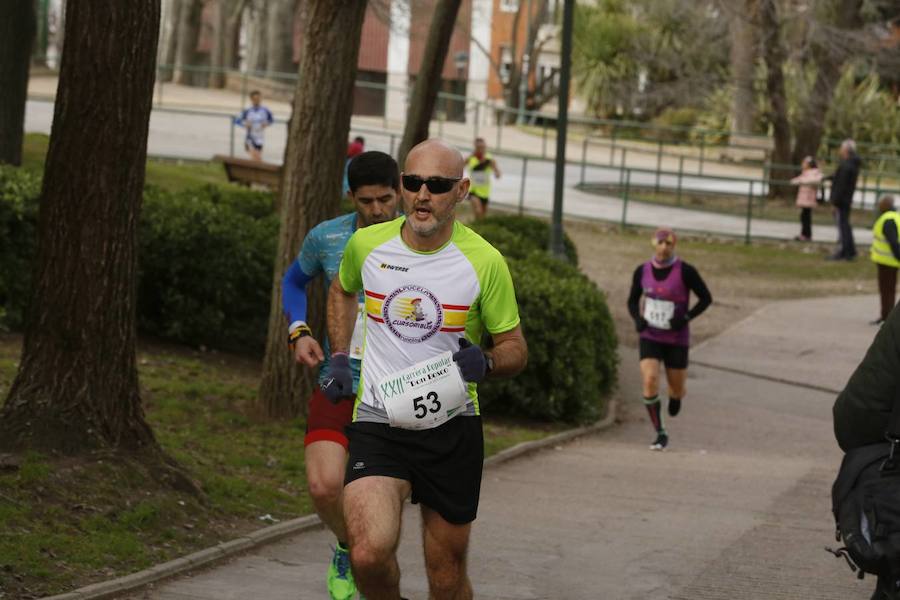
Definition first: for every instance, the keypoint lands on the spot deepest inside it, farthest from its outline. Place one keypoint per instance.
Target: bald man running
(432, 288)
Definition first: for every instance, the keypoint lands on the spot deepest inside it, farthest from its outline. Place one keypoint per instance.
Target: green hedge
(517, 237)
(205, 266)
(19, 192)
(572, 357)
(205, 261)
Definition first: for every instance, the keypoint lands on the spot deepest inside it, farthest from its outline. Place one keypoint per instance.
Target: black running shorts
(442, 464)
(674, 357)
(483, 199)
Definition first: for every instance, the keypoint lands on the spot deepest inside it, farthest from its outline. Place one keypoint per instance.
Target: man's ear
(464, 184)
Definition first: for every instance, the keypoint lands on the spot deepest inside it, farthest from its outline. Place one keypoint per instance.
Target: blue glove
(471, 361)
(339, 384)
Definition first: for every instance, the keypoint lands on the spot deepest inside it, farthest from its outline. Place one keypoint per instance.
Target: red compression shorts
(326, 421)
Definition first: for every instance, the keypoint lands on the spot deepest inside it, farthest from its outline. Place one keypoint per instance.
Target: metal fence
(611, 189)
(700, 146)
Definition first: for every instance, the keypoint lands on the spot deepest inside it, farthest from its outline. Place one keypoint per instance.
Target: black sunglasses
(435, 185)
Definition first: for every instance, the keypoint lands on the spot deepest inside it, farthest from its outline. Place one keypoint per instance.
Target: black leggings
(806, 222)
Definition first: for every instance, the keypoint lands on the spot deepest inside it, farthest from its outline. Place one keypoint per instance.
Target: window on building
(509, 5)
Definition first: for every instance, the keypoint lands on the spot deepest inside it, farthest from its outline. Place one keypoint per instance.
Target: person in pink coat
(809, 180)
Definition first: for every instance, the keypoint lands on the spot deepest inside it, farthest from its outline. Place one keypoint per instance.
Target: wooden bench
(747, 147)
(247, 172)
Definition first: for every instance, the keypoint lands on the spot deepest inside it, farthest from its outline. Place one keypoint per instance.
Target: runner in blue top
(255, 119)
(374, 187)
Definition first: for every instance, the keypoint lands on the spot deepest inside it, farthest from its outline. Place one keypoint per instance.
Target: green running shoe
(340, 578)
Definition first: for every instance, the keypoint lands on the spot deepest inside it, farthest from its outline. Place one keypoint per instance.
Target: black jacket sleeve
(890, 233)
(695, 283)
(863, 409)
(634, 296)
(844, 181)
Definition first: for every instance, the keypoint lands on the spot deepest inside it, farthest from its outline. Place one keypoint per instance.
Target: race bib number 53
(425, 395)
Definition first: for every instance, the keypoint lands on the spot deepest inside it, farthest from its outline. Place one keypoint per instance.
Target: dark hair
(360, 139)
(373, 168)
(255, 93)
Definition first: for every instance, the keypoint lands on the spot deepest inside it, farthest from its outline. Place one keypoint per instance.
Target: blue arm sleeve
(293, 292)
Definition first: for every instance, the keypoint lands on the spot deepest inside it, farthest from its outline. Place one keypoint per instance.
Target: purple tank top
(671, 289)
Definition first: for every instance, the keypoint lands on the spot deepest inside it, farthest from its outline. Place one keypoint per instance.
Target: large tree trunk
(186, 56)
(18, 23)
(280, 37)
(743, 66)
(428, 79)
(169, 40)
(829, 57)
(220, 40)
(77, 384)
(774, 57)
(255, 21)
(317, 134)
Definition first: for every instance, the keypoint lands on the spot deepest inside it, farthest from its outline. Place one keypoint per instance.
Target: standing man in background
(885, 253)
(843, 186)
(374, 187)
(481, 165)
(255, 119)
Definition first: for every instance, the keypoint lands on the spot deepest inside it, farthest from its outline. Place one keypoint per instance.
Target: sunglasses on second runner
(435, 185)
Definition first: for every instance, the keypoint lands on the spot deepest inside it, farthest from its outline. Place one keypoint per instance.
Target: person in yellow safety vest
(481, 165)
(885, 253)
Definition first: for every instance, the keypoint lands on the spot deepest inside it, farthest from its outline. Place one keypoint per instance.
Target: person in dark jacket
(862, 410)
(843, 185)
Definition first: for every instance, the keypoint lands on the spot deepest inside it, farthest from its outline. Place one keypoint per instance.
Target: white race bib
(659, 313)
(482, 177)
(424, 395)
(359, 333)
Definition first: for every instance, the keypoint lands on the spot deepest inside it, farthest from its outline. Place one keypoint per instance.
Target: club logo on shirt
(412, 313)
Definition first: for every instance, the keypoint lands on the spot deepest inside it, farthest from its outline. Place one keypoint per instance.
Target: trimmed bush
(572, 359)
(19, 193)
(527, 235)
(206, 262)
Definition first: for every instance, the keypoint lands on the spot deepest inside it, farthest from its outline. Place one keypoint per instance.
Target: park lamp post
(562, 122)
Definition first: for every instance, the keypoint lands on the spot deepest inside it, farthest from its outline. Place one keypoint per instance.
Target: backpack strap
(892, 433)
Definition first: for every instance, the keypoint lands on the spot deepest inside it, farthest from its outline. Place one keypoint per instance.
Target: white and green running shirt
(419, 304)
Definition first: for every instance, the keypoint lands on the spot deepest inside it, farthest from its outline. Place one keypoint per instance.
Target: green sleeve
(499, 309)
(350, 272)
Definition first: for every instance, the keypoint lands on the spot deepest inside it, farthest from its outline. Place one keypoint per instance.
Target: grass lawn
(741, 278)
(170, 175)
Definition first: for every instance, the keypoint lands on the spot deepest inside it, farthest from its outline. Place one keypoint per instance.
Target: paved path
(737, 508)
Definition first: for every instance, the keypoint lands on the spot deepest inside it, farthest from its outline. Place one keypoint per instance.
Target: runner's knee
(367, 558)
(447, 578)
(325, 487)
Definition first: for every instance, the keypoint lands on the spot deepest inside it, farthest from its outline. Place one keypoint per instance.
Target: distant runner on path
(480, 166)
(255, 119)
(658, 303)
